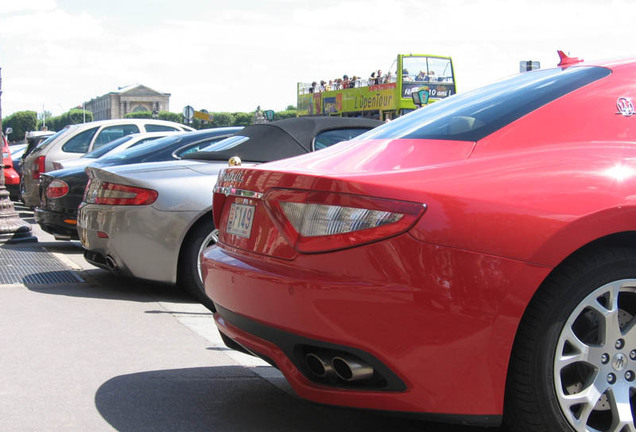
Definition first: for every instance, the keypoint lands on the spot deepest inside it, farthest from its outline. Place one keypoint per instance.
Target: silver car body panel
(145, 241)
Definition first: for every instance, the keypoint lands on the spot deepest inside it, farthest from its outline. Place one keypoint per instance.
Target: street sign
(203, 115)
(528, 65)
(269, 115)
(188, 113)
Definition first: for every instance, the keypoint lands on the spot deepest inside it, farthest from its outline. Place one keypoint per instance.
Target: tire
(200, 236)
(574, 359)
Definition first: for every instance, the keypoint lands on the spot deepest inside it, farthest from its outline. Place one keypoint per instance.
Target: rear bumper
(279, 349)
(441, 320)
(12, 183)
(62, 225)
(11, 177)
(136, 241)
(30, 192)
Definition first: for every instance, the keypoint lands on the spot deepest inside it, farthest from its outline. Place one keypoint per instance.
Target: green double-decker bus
(430, 77)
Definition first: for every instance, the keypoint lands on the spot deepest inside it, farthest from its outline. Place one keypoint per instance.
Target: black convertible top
(283, 138)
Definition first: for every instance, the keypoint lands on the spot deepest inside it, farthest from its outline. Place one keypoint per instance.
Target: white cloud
(249, 53)
(27, 5)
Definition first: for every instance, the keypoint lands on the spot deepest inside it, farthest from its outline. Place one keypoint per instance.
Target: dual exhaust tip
(347, 368)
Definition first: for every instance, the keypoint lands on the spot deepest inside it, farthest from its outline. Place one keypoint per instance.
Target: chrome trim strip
(227, 191)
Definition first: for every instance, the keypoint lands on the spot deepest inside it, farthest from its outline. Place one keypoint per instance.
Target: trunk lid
(384, 169)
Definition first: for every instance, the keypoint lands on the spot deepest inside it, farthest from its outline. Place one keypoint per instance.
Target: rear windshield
(331, 137)
(474, 115)
(161, 128)
(143, 149)
(225, 144)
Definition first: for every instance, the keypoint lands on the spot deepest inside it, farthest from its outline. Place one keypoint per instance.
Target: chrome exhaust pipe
(112, 265)
(319, 366)
(351, 369)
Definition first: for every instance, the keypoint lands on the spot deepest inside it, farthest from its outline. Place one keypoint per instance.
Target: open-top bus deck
(384, 97)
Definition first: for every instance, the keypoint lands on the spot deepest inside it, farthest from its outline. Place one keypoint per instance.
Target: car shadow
(233, 398)
(102, 284)
(34, 266)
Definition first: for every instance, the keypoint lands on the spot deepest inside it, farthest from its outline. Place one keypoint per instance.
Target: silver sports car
(153, 220)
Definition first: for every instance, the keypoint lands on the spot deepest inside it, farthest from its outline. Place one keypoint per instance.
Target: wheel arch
(620, 240)
(204, 217)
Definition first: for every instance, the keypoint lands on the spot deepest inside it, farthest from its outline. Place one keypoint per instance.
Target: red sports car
(11, 177)
(475, 259)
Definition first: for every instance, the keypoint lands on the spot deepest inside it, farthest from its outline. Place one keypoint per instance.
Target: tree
(285, 114)
(222, 119)
(21, 122)
(73, 116)
(161, 115)
(243, 119)
(170, 116)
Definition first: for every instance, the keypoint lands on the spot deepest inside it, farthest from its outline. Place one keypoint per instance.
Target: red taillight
(323, 221)
(56, 189)
(40, 167)
(105, 193)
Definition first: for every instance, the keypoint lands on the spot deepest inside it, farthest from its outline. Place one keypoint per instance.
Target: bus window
(427, 69)
(440, 69)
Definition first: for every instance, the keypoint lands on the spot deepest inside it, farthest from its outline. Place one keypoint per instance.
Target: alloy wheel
(595, 361)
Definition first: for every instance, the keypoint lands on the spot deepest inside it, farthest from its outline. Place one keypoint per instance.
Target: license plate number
(240, 220)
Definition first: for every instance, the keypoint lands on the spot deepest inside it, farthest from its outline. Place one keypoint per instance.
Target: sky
(230, 56)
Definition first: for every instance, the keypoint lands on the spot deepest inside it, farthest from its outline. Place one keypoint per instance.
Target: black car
(61, 191)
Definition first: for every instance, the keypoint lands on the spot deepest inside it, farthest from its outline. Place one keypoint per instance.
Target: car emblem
(619, 362)
(233, 176)
(625, 107)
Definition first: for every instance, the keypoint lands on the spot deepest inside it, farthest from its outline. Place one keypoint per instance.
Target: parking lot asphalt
(84, 350)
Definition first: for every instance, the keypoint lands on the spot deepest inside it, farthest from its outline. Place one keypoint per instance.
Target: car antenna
(566, 60)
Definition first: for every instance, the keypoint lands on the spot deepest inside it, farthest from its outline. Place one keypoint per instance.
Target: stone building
(126, 100)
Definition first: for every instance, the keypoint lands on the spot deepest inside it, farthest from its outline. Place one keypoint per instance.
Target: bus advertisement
(384, 97)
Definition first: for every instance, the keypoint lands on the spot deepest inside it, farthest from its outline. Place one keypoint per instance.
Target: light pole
(12, 228)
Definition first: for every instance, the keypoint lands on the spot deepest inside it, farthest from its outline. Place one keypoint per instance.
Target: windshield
(427, 69)
(141, 149)
(225, 144)
(108, 147)
(475, 115)
(51, 138)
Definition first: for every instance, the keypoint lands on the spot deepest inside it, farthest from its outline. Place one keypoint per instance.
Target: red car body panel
(439, 305)
(420, 299)
(11, 177)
